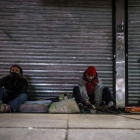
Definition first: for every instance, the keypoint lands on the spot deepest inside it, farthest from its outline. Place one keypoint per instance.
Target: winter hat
(91, 71)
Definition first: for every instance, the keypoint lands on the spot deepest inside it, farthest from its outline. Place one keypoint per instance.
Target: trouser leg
(15, 103)
(91, 99)
(77, 95)
(107, 96)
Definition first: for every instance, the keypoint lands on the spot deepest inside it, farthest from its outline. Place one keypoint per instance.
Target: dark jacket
(14, 87)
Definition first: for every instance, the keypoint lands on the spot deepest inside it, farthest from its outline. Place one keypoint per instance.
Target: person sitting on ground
(13, 90)
(91, 92)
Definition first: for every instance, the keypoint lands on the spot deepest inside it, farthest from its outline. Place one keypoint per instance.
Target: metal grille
(133, 52)
(55, 41)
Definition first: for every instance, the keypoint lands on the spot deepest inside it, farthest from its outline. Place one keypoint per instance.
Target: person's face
(16, 70)
(90, 77)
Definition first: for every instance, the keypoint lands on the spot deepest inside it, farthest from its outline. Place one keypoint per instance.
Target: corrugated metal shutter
(55, 41)
(133, 51)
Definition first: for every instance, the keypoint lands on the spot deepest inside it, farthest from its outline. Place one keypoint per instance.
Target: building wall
(54, 41)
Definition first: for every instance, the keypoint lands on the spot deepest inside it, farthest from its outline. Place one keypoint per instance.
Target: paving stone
(102, 121)
(105, 134)
(35, 115)
(32, 134)
(34, 120)
(135, 117)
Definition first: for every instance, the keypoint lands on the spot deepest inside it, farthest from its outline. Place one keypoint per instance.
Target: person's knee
(1, 89)
(23, 96)
(75, 89)
(106, 89)
(1, 93)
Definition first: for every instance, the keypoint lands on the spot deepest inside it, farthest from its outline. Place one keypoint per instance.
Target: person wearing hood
(13, 90)
(91, 92)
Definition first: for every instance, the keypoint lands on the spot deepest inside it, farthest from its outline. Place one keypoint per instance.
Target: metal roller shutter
(54, 41)
(133, 52)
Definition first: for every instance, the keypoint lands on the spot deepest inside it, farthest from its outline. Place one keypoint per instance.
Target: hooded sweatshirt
(93, 87)
(13, 86)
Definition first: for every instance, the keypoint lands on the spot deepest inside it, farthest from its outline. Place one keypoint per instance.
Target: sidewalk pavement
(43, 126)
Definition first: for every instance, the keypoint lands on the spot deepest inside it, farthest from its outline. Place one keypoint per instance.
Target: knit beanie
(91, 71)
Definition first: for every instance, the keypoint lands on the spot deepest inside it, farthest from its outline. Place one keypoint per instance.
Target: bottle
(65, 97)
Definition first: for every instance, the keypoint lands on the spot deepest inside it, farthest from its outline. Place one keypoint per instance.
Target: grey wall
(55, 41)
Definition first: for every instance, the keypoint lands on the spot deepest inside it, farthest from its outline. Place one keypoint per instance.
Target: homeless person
(13, 90)
(91, 92)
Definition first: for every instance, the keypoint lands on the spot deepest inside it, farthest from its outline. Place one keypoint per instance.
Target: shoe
(114, 109)
(89, 107)
(83, 109)
(4, 108)
(80, 106)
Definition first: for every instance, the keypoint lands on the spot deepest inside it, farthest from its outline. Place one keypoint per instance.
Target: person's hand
(87, 102)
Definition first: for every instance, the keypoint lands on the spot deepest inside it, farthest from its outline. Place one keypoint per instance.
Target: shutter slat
(133, 52)
(55, 41)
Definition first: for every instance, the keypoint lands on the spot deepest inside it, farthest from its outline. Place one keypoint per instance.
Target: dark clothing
(77, 95)
(16, 102)
(14, 87)
(106, 96)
